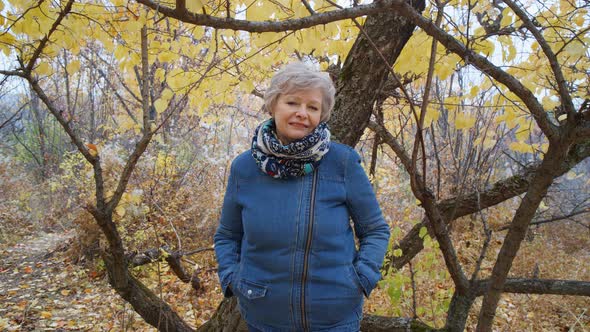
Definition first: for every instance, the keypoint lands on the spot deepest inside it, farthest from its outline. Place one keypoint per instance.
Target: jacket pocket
(356, 279)
(251, 290)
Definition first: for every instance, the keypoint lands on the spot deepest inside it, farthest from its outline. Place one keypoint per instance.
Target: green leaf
(423, 232)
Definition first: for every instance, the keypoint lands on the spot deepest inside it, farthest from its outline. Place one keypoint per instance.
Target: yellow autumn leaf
(247, 86)
(464, 121)
(506, 17)
(167, 94)
(159, 75)
(44, 69)
(576, 49)
(126, 123)
(6, 39)
(73, 66)
(46, 314)
(134, 59)
(160, 105)
(259, 11)
(120, 210)
(509, 117)
(194, 5)
(522, 134)
(176, 79)
(485, 47)
(549, 103)
(92, 149)
(167, 56)
(136, 196)
(120, 52)
(521, 147)
(581, 18)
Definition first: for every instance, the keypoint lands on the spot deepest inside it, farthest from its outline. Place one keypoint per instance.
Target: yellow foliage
(446, 66)
(194, 6)
(261, 40)
(260, 11)
(485, 141)
(523, 134)
(581, 18)
(549, 103)
(44, 69)
(464, 121)
(167, 56)
(120, 52)
(160, 105)
(46, 314)
(521, 147)
(126, 123)
(506, 17)
(485, 47)
(576, 49)
(73, 66)
(509, 117)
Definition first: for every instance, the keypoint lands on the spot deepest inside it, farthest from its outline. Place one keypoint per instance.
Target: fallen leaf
(46, 314)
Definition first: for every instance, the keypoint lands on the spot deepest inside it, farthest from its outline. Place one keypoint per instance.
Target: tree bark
(518, 228)
(364, 72)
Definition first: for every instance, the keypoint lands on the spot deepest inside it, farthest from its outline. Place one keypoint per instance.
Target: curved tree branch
(182, 14)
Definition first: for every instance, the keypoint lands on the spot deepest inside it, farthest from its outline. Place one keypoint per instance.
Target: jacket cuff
(225, 284)
(367, 278)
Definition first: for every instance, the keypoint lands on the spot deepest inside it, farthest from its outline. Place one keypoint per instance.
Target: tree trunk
(458, 311)
(524, 214)
(364, 73)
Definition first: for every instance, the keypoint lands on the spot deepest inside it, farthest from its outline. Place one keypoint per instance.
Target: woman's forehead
(312, 93)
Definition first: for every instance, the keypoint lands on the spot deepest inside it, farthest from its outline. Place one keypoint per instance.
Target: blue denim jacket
(287, 246)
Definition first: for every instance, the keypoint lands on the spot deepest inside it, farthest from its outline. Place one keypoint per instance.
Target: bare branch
(553, 219)
(454, 208)
(13, 116)
(436, 217)
(540, 286)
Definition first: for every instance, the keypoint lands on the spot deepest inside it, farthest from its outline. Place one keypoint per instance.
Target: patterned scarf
(295, 159)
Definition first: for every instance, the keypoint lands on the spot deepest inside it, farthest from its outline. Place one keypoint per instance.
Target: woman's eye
(313, 108)
(291, 103)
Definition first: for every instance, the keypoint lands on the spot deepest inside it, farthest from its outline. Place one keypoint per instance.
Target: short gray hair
(298, 76)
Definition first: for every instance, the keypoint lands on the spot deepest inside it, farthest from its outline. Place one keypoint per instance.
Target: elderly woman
(285, 245)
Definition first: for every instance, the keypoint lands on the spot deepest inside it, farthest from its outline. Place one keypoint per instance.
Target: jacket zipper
(308, 248)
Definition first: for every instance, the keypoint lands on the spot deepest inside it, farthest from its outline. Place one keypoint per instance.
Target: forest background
(118, 120)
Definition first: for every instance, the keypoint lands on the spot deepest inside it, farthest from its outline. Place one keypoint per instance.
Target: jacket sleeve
(369, 225)
(228, 237)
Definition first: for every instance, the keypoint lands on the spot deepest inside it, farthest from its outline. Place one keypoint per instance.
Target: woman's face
(297, 114)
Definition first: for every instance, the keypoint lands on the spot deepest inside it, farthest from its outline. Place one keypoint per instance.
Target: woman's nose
(301, 112)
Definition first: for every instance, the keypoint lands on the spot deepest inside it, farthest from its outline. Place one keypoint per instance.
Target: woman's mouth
(298, 125)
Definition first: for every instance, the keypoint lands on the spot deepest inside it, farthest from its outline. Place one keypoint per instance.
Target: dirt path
(41, 291)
